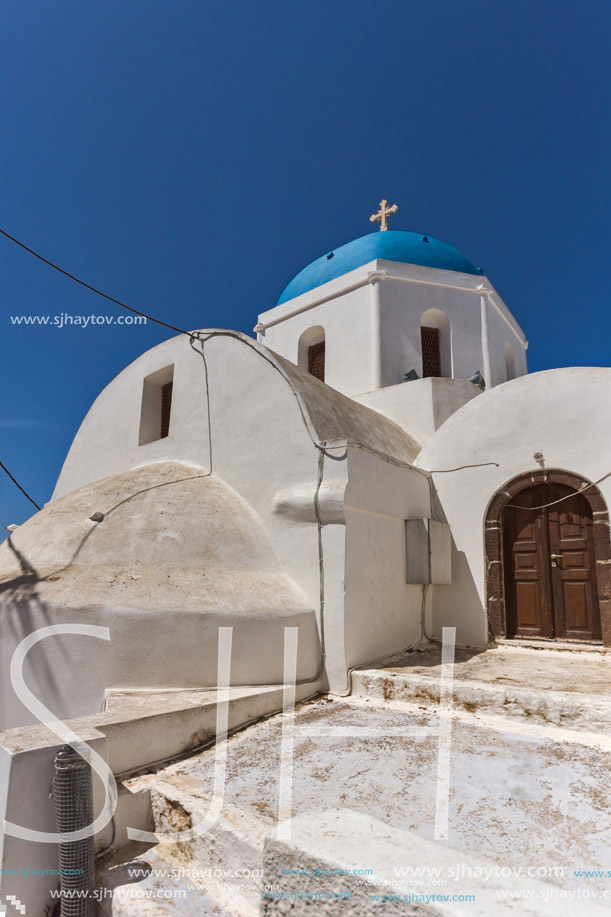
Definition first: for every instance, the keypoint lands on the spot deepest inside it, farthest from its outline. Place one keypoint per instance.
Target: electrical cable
(93, 289)
(462, 467)
(88, 286)
(566, 496)
(17, 484)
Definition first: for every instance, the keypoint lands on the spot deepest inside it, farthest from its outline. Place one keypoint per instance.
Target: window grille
(431, 355)
(316, 360)
(166, 407)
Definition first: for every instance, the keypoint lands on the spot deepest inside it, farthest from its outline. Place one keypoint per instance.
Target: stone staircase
(522, 756)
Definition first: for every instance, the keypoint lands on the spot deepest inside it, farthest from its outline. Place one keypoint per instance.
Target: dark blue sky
(190, 157)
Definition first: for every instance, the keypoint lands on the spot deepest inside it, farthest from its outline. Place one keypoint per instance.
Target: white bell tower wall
(371, 322)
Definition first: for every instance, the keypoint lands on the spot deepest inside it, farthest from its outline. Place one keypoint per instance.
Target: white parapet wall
(423, 405)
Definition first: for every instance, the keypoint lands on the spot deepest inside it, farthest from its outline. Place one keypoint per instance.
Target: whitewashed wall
(423, 405)
(382, 612)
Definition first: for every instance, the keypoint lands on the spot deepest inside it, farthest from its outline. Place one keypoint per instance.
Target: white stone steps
(218, 874)
(249, 828)
(506, 775)
(584, 712)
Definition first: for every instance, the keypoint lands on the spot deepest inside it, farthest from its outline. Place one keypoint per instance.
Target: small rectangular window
(156, 410)
(166, 407)
(431, 355)
(316, 360)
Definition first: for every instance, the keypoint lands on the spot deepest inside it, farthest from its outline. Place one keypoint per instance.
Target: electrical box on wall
(428, 552)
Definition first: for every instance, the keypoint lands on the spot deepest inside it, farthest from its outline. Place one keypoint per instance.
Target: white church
(376, 465)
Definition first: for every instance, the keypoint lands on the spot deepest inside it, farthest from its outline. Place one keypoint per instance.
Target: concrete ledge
(341, 862)
(136, 742)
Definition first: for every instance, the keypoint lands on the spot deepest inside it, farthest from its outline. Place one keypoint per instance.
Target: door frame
(493, 544)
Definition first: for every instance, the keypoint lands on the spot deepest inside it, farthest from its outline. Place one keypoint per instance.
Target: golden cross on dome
(383, 212)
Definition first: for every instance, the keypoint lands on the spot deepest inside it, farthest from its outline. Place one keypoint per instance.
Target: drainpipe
(73, 800)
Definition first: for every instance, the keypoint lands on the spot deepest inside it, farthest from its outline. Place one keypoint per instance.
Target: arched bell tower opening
(435, 337)
(548, 560)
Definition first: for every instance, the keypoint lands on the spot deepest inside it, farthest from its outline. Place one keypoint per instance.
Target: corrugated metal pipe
(73, 800)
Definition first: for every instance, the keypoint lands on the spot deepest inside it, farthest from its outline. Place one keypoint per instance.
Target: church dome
(392, 245)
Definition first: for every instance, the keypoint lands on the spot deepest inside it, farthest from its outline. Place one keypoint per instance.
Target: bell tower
(399, 321)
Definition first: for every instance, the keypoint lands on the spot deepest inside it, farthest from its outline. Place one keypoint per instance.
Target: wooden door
(550, 571)
(574, 589)
(527, 570)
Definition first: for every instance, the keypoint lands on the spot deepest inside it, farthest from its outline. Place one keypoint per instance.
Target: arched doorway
(547, 560)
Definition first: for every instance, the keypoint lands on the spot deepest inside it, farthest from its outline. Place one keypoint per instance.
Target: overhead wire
(88, 286)
(197, 335)
(17, 484)
(93, 289)
(561, 499)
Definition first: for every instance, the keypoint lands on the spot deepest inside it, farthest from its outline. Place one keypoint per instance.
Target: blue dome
(392, 245)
